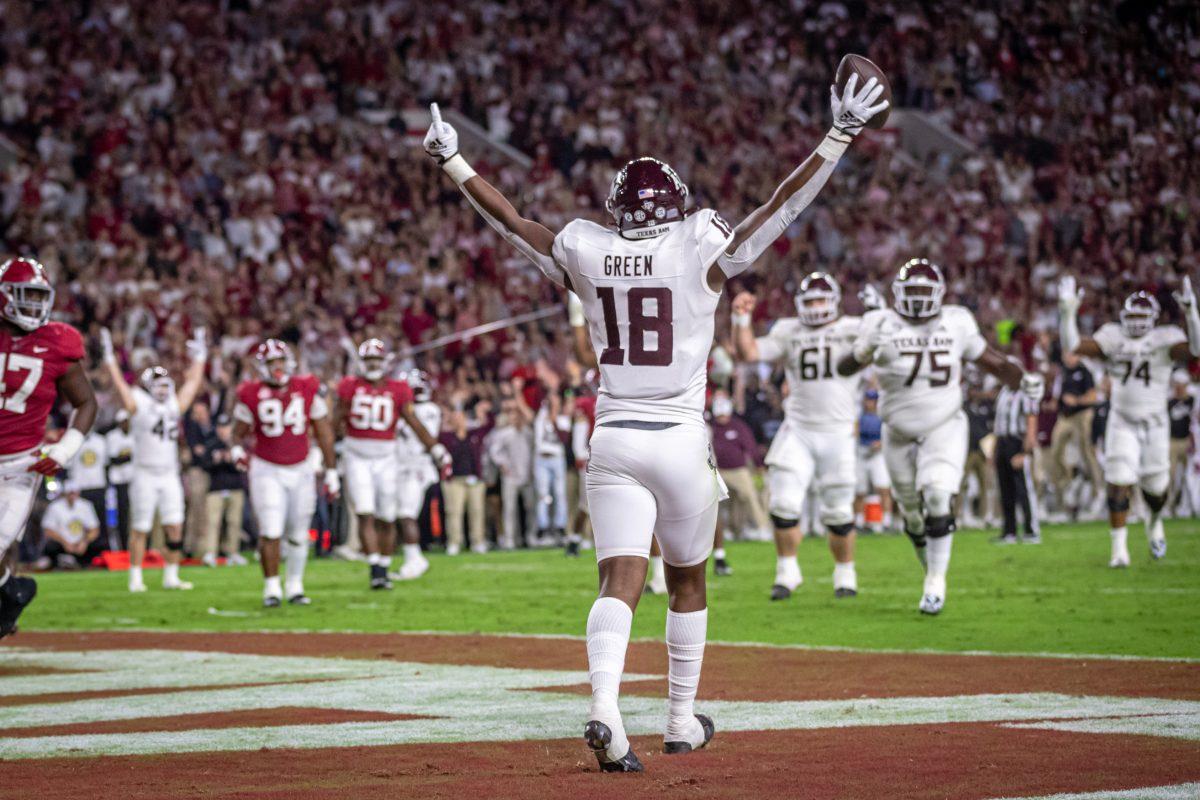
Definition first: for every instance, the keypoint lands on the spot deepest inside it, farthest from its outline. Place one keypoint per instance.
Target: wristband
(575, 315)
(65, 448)
(834, 145)
(740, 319)
(458, 169)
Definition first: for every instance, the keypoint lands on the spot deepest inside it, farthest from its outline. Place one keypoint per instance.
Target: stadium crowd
(248, 170)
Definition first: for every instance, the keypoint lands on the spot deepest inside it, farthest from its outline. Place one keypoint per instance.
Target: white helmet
(918, 289)
(819, 299)
(374, 359)
(158, 383)
(1139, 314)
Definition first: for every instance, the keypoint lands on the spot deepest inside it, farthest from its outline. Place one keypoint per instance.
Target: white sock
(937, 554)
(1119, 540)
(787, 572)
(685, 650)
(844, 576)
(1154, 528)
(385, 561)
(296, 556)
(657, 572)
(719, 553)
(608, 627)
(412, 552)
(170, 573)
(135, 575)
(272, 587)
(859, 520)
(373, 559)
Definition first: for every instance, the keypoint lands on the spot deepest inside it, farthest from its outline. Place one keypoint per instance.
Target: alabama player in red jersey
(279, 409)
(39, 361)
(368, 407)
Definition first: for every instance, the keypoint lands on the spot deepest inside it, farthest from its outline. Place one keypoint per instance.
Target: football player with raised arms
(1139, 355)
(155, 412)
(40, 361)
(918, 347)
(279, 409)
(650, 283)
(816, 442)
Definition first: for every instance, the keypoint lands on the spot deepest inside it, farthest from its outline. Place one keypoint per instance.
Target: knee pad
(1154, 502)
(844, 529)
(783, 522)
(837, 505)
(917, 536)
(1155, 485)
(936, 502)
(175, 547)
(939, 526)
(1118, 500)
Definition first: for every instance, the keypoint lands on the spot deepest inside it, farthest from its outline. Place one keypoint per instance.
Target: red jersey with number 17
(372, 411)
(30, 366)
(279, 416)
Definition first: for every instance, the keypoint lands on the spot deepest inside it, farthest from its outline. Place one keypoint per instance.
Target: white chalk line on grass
(1179, 791)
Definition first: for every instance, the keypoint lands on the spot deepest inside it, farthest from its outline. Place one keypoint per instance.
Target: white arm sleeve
(1068, 331)
(1192, 317)
(543, 262)
(748, 251)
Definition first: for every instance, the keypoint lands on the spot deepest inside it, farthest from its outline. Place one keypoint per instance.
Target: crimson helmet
(418, 381)
(1139, 314)
(275, 362)
(818, 300)
(374, 359)
(918, 289)
(646, 195)
(158, 383)
(26, 295)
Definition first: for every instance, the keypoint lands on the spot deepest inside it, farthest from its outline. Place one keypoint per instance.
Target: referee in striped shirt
(1016, 437)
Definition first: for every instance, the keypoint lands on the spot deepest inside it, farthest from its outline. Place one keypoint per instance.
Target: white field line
(1180, 791)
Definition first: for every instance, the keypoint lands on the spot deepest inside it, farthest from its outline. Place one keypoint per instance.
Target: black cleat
(300, 600)
(272, 602)
(721, 567)
(572, 549)
(676, 748)
(15, 594)
(598, 736)
(845, 592)
(780, 592)
(379, 577)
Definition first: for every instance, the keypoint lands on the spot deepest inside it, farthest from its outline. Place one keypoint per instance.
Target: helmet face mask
(26, 296)
(1139, 314)
(374, 359)
(275, 363)
(418, 381)
(918, 290)
(819, 299)
(646, 196)
(158, 384)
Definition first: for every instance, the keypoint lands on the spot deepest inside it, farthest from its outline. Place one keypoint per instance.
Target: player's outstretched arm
(109, 356)
(77, 389)
(197, 350)
(745, 344)
(532, 239)
(437, 451)
(1186, 298)
(1004, 368)
(580, 343)
(1070, 295)
(851, 112)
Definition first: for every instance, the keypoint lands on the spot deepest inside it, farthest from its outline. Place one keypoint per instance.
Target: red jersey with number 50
(279, 416)
(372, 411)
(30, 366)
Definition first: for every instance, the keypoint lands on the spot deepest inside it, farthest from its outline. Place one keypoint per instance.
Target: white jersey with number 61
(650, 313)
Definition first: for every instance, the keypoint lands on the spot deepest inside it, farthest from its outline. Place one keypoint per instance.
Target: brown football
(865, 68)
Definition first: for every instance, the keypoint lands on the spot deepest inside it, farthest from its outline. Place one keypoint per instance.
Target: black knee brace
(783, 522)
(1118, 502)
(175, 547)
(844, 529)
(918, 539)
(937, 527)
(1155, 502)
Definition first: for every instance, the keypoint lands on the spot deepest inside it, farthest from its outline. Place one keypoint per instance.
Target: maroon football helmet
(645, 195)
(26, 295)
(1139, 314)
(918, 289)
(275, 362)
(819, 298)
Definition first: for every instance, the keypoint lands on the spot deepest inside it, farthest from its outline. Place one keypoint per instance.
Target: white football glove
(441, 142)
(1033, 386)
(870, 297)
(856, 106)
(1070, 295)
(197, 346)
(1186, 296)
(332, 482)
(239, 456)
(107, 353)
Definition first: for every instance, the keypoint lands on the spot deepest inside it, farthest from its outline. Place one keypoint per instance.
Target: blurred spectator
(197, 429)
(510, 447)
(119, 447)
(464, 491)
(1075, 391)
(87, 473)
(226, 496)
(551, 427)
(1181, 410)
(872, 470)
(71, 529)
(736, 454)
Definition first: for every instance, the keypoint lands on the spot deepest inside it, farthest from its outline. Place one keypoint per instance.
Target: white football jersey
(818, 398)
(155, 430)
(920, 369)
(650, 313)
(1140, 368)
(409, 449)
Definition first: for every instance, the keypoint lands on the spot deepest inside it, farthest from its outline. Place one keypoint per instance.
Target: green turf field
(1058, 597)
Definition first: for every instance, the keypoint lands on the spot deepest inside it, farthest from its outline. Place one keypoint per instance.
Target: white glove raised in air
(107, 353)
(856, 106)
(1070, 295)
(1033, 386)
(870, 297)
(197, 346)
(1186, 296)
(441, 142)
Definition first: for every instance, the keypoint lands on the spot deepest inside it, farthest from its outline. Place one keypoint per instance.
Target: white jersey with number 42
(155, 430)
(650, 313)
(1139, 368)
(920, 368)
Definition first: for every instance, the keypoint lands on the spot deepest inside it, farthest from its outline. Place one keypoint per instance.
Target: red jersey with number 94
(372, 411)
(279, 416)
(30, 366)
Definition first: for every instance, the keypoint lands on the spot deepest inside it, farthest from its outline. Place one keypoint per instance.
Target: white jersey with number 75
(650, 313)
